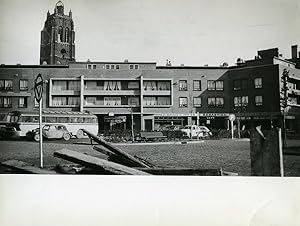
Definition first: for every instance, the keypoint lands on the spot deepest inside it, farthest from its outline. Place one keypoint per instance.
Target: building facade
(155, 96)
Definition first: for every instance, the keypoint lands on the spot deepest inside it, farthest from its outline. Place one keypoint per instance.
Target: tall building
(57, 37)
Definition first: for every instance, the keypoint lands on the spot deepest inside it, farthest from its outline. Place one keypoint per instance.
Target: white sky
(192, 32)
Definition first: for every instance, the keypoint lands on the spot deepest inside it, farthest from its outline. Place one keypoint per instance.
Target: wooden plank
(96, 163)
(25, 167)
(182, 171)
(104, 151)
(116, 150)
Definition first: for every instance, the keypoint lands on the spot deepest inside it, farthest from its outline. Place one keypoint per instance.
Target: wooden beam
(117, 151)
(96, 163)
(182, 171)
(25, 167)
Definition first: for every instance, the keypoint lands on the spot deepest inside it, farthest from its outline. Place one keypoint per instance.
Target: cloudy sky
(190, 32)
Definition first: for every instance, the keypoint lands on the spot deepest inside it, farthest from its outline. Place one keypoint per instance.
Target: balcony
(157, 92)
(65, 92)
(99, 92)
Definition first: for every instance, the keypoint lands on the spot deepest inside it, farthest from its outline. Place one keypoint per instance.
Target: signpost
(231, 118)
(38, 93)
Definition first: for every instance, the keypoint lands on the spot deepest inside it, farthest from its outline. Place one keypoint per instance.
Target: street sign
(38, 88)
(232, 117)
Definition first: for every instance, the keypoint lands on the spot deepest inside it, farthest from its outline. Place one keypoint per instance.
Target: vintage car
(196, 131)
(55, 131)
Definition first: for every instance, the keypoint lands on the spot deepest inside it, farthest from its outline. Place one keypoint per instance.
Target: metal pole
(41, 134)
(280, 153)
(132, 132)
(231, 129)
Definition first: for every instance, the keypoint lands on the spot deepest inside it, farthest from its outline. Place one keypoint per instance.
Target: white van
(196, 131)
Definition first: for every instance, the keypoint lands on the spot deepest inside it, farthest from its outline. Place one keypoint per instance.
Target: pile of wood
(117, 163)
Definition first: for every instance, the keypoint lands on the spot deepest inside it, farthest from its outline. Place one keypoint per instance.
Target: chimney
(294, 51)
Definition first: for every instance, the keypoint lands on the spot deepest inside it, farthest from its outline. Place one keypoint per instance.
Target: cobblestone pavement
(230, 155)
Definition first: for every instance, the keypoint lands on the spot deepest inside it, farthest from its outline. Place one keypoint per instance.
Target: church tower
(57, 37)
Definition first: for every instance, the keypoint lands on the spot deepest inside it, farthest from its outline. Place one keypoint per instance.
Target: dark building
(57, 38)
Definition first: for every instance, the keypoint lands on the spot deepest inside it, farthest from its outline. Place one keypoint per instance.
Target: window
(240, 101)
(183, 85)
(67, 35)
(211, 101)
(133, 66)
(258, 83)
(156, 101)
(6, 84)
(244, 84)
(196, 85)
(107, 66)
(94, 66)
(197, 101)
(237, 85)
(133, 101)
(237, 101)
(59, 101)
(183, 102)
(112, 85)
(219, 102)
(258, 100)
(211, 85)
(133, 85)
(112, 101)
(112, 66)
(23, 84)
(60, 34)
(6, 102)
(58, 85)
(292, 100)
(73, 101)
(292, 85)
(117, 66)
(22, 102)
(162, 85)
(89, 66)
(74, 85)
(150, 85)
(245, 101)
(219, 85)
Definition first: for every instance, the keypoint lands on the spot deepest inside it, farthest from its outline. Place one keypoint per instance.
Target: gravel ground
(230, 155)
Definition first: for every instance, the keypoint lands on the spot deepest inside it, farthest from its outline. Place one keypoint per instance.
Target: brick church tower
(57, 37)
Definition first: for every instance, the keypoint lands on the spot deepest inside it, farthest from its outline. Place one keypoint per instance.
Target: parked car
(173, 127)
(55, 131)
(197, 131)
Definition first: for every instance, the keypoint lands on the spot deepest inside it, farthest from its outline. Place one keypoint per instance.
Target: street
(230, 155)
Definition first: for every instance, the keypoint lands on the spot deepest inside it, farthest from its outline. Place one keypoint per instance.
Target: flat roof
(33, 66)
(111, 62)
(191, 67)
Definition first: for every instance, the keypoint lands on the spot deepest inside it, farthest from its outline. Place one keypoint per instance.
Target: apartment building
(154, 96)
